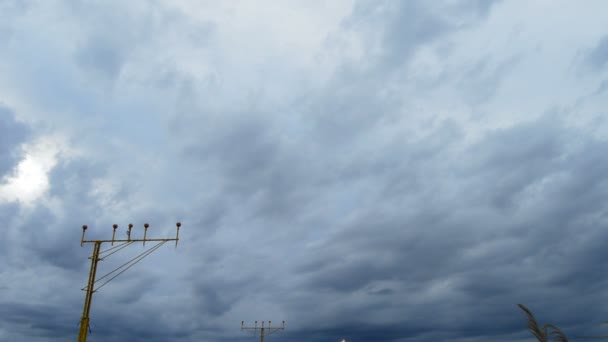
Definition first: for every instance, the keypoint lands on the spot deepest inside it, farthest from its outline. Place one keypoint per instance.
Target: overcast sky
(372, 170)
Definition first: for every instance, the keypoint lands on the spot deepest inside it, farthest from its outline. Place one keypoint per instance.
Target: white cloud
(29, 180)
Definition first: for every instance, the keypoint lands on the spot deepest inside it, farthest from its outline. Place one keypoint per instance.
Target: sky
(369, 170)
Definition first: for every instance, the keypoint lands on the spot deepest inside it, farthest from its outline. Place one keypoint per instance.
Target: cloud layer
(368, 170)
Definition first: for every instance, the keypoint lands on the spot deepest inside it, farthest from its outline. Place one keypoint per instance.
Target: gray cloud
(12, 135)
(365, 205)
(40, 321)
(598, 56)
(434, 246)
(407, 26)
(8, 216)
(104, 51)
(482, 80)
(101, 55)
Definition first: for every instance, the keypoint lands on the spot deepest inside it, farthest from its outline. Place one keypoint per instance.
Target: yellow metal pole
(262, 333)
(178, 224)
(264, 330)
(84, 229)
(129, 231)
(145, 232)
(114, 233)
(84, 322)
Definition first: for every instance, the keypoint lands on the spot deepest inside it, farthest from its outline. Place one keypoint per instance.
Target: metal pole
(264, 330)
(262, 333)
(84, 322)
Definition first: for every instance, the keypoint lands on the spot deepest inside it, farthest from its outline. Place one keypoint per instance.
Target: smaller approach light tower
(264, 331)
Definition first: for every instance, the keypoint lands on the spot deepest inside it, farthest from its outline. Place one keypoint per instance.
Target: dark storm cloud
(402, 28)
(361, 97)
(255, 166)
(102, 50)
(399, 30)
(111, 35)
(483, 79)
(114, 36)
(603, 86)
(515, 159)
(101, 55)
(8, 215)
(362, 332)
(253, 155)
(133, 325)
(72, 179)
(39, 320)
(598, 56)
(350, 210)
(550, 245)
(215, 301)
(256, 160)
(12, 135)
